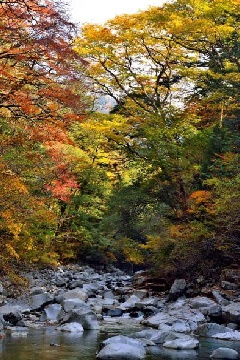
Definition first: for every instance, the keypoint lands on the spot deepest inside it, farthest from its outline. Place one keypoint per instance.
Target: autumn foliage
(120, 143)
(40, 99)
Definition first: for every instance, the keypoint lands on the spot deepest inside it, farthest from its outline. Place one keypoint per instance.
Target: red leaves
(64, 183)
(37, 57)
(62, 188)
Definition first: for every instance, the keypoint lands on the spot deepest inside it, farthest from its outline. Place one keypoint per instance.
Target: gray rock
(114, 312)
(233, 335)
(75, 294)
(224, 353)
(182, 344)
(140, 293)
(10, 314)
(51, 313)
(108, 302)
(13, 318)
(177, 289)
(121, 352)
(210, 329)
(71, 327)
(75, 284)
(158, 336)
(97, 308)
(92, 288)
(130, 303)
(122, 348)
(36, 290)
(232, 326)
(201, 302)
(60, 281)
(3, 300)
(39, 300)
(177, 313)
(121, 339)
(231, 313)
(181, 326)
(215, 312)
(151, 301)
(219, 298)
(108, 295)
(6, 309)
(227, 285)
(70, 304)
(86, 317)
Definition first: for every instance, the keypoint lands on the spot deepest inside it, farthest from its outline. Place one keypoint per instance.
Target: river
(49, 344)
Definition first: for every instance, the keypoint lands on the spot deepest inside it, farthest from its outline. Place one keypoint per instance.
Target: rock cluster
(76, 299)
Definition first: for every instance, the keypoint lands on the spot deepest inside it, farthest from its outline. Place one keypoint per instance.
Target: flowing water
(49, 344)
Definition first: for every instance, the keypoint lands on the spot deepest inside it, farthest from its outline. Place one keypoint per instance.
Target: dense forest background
(153, 180)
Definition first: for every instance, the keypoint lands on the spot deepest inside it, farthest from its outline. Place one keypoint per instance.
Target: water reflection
(50, 344)
(162, 353)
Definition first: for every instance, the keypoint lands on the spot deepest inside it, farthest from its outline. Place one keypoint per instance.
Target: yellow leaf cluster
(11, 251)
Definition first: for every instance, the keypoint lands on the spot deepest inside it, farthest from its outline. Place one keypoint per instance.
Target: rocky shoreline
(78, 298)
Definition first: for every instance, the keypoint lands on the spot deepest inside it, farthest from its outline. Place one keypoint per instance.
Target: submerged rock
(121, 339)
(122, 348)
(121, 352)
(224, 353)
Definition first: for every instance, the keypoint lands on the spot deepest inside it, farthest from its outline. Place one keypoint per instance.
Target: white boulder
(71, 327)
(122, 348)
(187, 343)
(224, 353)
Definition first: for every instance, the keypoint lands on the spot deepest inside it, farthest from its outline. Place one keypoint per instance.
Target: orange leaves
(26, 103)
(201, 203)
(200, 196)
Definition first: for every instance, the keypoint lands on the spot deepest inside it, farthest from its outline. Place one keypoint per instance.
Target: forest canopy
(151, 179)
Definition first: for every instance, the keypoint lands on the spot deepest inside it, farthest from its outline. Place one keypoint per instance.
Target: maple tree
(41, 96)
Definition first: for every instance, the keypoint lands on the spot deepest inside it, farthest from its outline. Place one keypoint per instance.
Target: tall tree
(41, 96)
(173, 72)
